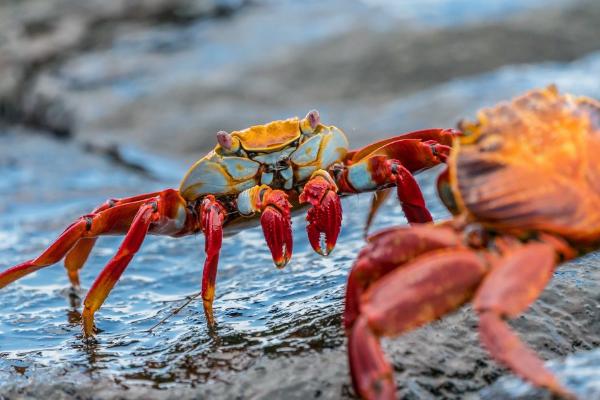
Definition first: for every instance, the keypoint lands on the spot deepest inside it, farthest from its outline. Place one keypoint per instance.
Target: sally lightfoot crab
(524, 186)
(267, 170)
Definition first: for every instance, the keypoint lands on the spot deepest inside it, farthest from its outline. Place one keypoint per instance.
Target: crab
(523, 184)
(265, 170)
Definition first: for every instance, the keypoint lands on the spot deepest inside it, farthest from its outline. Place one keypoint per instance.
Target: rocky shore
(110, 98)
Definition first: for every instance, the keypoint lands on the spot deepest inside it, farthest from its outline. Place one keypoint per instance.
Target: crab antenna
(224, 139)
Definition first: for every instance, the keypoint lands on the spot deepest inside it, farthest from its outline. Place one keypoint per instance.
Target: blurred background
(108, 98)
(165, 75)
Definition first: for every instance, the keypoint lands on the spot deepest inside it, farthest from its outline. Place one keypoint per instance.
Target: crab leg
(275, 220)
(212, 217)
(325, 216)
(113, 220)
(78, 255)
(437, 135)
(162, 214)
(387, 251)
(377, 200)
(512, 285)
(379, 172)
(424, 290)
(410, 195)
(394, 161)
(109, 276)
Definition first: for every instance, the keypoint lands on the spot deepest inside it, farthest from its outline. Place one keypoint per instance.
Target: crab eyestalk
(229, 144)
(309, 124)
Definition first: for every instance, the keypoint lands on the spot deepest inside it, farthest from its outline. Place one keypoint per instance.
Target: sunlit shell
(532, 164)
(269, 137)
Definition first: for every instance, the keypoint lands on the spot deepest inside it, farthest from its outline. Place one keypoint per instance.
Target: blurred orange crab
(523, 184)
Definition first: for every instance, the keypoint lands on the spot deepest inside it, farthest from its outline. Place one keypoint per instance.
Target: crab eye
(224, 139)
(310, 122)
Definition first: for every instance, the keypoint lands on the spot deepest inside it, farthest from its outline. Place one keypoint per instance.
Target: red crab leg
(162, 214)
(441, 136)
(513, 284)
(410, 196)
(212, 217)
(380, 172)
(393, 161)
(378, 199)
(78, 255)
(325, 216)
(113, 220)
(51, 255)
(109, 276)
(386, 251)
(424, 290)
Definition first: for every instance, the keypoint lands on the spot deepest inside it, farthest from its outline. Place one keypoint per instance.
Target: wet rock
(37, 35)
(580, 373)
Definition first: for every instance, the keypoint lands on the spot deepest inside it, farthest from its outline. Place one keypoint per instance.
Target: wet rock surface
(168, 88)
(581, 370)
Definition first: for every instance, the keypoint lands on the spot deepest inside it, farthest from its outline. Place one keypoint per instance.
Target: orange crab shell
(532, 164)
(269, 137)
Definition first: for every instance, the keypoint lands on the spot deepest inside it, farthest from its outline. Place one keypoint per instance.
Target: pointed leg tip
(372, 375)
(208, 313)
(88, 326)
(88, 329)
(559, 390)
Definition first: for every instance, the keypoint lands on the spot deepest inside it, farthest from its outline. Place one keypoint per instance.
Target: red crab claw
(277, 226)
(325, 216)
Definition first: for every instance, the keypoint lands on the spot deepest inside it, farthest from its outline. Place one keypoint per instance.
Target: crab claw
(325, 216)
(277, 226)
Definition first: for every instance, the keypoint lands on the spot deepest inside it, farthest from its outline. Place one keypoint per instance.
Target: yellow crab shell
(269, 137)
(280, 154)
